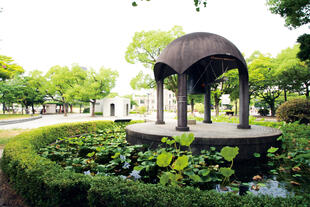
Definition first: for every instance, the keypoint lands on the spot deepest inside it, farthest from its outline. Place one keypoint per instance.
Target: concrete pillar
(160, 102)
(207, 106)
(243, 100)
(182, 103)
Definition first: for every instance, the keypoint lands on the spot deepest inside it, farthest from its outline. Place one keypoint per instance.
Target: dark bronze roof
(199, 53)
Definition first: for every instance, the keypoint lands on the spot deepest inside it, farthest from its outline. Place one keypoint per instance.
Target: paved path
(60, 118)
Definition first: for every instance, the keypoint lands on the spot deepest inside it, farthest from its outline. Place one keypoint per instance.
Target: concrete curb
(15, 121)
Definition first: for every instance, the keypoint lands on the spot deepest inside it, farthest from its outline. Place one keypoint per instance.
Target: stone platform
(257, 139)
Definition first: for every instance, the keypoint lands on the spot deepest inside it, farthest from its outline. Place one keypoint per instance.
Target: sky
(39, 34)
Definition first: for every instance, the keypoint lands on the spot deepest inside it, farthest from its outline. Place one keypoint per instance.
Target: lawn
(15, 116)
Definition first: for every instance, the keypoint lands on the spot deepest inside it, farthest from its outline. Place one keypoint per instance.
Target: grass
(15, 116)
(6, 135)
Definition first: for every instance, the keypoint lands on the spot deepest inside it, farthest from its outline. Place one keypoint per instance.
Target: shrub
(99, 113)
(44, 183)
(86, 110)
(263, 112)
(294, 110)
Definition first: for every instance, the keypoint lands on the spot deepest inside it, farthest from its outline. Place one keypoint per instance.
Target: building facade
(149, 100)
(118, 107)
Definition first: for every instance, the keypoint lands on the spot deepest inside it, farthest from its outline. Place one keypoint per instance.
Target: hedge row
(44, 183)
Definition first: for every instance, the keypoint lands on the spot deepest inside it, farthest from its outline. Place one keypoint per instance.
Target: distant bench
(122, 120)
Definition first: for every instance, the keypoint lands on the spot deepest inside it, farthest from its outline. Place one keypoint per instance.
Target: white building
(117, 106)
(149, 100)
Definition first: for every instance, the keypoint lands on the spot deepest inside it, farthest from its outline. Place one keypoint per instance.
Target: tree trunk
(93, 103)
(80, 108)
(32, 107)
(285, 96)
(272, 108)
(22, 110)
(65, 109)
(307, 91)
(236, 107)
(71, 108)
(192, 105)
(217, 105)
(3, 108)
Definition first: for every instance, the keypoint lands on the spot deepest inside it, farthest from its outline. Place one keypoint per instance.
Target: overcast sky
(39, 34)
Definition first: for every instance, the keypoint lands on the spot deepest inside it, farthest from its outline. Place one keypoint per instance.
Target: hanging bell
(195, 84)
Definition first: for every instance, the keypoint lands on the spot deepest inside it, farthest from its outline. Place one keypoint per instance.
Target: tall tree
(263, 81)
(8, 68)
(294, 75)
(147, 46)
(60, 83)
(97, 85)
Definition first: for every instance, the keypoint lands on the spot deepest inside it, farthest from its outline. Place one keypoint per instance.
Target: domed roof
(193, 53)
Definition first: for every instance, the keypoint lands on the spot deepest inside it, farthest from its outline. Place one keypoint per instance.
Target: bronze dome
(197, 53)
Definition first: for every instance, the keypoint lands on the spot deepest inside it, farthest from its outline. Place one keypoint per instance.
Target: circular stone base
(256, 139)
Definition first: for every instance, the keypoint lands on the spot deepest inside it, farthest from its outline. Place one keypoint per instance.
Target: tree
(295, 12)
(8, 69)
(26, 92)
(97, 85)
(142, 81)
(147, 46)
(293, 74)
(6, 94)
(197, 3)
(60, 83)
(304, 53)
(263, 81)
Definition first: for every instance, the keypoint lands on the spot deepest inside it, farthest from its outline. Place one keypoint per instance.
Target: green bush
(99, 113)
(86, 110)
(294, 110)
(44, 183)
(263, 112)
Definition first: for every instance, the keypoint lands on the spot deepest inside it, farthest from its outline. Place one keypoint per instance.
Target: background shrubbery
(294, 110)
(263, 112)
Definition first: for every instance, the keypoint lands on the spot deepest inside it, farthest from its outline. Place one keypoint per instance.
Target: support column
(182, 103)
(207, 106)
(243, 101)
(160, 102)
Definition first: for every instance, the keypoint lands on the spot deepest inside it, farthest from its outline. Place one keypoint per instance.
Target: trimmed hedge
(44, 183)
(294, 110)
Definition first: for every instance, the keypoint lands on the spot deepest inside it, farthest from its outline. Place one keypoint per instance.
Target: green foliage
(42, 182)
(294, 110)
(142, 81)
(8, 68)
(304, 53)
(197, 3)
(180, 163)
(229, 153)
(141, 109)
(294, 75)
(263, 80)
(145, 49)
(296, 13)
(164, 159)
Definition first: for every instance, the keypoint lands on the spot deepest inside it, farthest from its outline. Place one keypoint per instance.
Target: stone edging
(15, 121)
